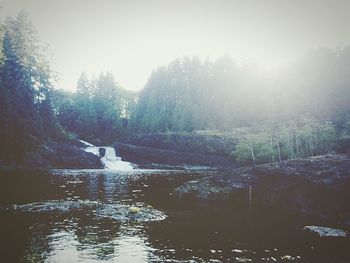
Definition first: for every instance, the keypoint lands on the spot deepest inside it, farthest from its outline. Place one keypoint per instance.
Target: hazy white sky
(131, 38)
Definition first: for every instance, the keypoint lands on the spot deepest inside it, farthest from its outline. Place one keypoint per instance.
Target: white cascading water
(110, 160)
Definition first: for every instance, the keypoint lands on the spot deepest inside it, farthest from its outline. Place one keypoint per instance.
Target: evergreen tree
(26, 88)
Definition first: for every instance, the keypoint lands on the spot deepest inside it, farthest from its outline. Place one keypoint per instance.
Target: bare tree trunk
(296, 144)
(290, 146)
(310, 146)
(271, 145)
(278, 148)
(315, 141)
(252, 152)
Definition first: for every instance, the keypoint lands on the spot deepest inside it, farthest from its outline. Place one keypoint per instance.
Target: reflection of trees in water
(40, 241)
(111, 184)
(84, 235)
(106, 186)
(96, 235)
(91, 231)
(132, 245)
(106, 239)
(92, 185)
(68, 238)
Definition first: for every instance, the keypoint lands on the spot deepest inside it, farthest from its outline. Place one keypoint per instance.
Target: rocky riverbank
(318, 185)
(178, 149)
(62, 155)
(151, 157)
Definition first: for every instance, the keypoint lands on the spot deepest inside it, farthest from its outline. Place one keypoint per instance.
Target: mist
(132, 38)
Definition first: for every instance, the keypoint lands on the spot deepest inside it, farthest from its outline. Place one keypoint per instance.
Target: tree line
(190, 94)
(98, 111)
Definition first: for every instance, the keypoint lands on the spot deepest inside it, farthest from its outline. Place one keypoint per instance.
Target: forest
(299, 110)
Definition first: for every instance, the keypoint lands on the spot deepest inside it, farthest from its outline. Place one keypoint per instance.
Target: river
(130, 216)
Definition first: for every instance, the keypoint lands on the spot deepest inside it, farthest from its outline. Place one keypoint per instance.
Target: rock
(212, 189)
(102, 151)
(62, 155)
(326, 231)
(318, 185)
(124, 213)
(146, 156)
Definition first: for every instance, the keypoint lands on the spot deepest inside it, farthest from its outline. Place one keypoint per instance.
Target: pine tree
(26, 84)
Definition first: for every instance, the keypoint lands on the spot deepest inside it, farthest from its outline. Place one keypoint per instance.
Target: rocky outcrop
(62, 155)
(147, 156)
(317, 185)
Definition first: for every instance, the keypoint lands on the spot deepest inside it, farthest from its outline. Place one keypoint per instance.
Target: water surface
(72, 227)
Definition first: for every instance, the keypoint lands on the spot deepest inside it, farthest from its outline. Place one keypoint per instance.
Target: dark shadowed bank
(179, 149)
(150, 157)
(68, 154)
(317, 186)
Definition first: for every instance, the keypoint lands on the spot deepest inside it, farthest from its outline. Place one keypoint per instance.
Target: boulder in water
(326, 231)
(102, 151)
(211, 188)
(125, 213)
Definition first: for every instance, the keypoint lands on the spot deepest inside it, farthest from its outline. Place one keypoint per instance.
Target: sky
(131, 38)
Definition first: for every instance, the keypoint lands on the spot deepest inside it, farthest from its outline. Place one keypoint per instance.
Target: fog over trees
(299, 110)
(191, 95)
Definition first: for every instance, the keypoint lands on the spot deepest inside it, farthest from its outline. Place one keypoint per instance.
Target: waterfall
(110, 159)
